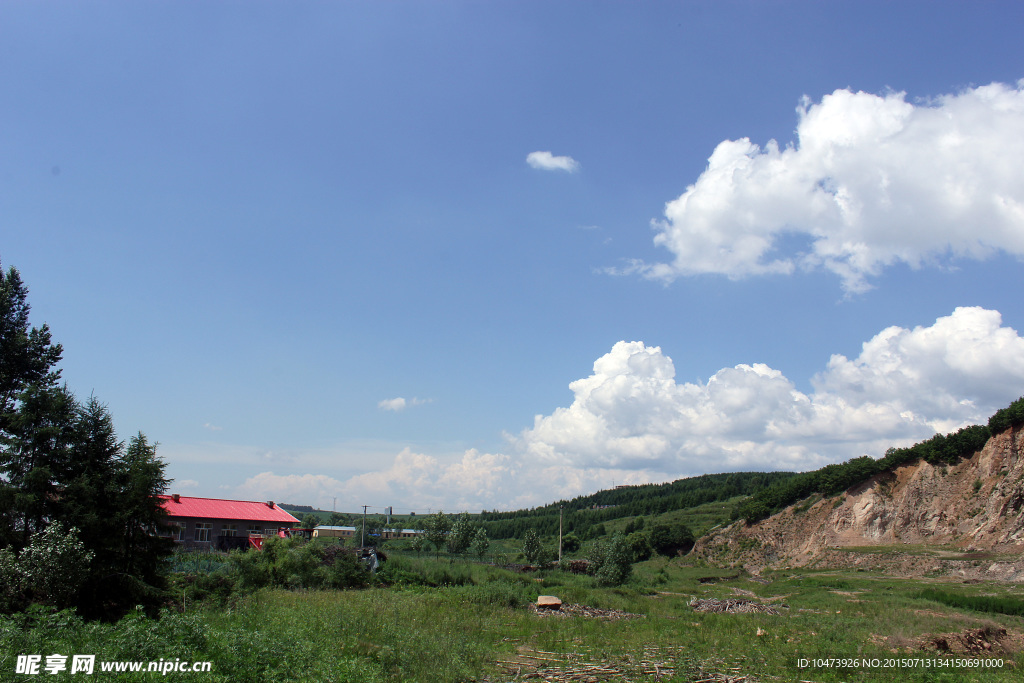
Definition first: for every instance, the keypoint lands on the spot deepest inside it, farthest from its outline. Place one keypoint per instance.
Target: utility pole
(362, 536)
(560, 533)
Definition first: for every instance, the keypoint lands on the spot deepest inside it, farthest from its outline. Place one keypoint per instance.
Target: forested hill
(583, 512)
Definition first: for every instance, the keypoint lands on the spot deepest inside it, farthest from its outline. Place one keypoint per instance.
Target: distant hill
(583, 514)
(297, 508)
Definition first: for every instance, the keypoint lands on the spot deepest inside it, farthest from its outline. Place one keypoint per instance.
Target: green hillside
(583, 514)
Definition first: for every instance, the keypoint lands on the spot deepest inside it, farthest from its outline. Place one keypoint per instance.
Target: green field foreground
(481, 627)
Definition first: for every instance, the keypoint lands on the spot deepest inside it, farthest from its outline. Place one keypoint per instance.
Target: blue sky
(256, 226)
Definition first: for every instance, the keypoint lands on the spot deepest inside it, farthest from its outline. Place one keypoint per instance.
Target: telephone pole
(362, 536)
(560, 533)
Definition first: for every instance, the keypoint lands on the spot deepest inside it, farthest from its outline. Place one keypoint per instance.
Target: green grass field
(460, 621)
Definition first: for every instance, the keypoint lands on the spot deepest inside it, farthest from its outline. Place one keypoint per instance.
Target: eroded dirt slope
(973, 507)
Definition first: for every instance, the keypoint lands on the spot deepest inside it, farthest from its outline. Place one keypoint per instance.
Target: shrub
(301, 566)
(639, 546)
(571, 543)
(346, 571)
(611, 562)
(671, 540)
(216, 587)
(250, 568)
(294, 563)
(54, 565)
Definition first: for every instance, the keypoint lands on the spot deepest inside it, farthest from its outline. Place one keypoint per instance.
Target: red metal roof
(214, 508)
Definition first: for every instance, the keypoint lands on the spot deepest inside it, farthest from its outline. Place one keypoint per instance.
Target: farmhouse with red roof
(222, 524)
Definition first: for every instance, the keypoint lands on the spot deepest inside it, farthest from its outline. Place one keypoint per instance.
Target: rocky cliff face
(973, 507)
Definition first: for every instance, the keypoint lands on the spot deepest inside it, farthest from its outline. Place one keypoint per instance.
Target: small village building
(222, 524)
(334, 532)
(402, 533)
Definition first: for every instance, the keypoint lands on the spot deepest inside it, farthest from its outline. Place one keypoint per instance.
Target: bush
(295, 563)
(250, 569)
(671, 540)
(301, 566)
(571, 543)
(639, 546)
(53, 567)
(611, 561)
(217, 587)
(347, 571)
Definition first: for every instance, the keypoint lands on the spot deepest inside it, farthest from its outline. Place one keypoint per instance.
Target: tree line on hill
(833, 479)
(583, 515)
(78, 506)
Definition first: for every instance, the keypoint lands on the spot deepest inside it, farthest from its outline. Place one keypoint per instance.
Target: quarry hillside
(961, 520)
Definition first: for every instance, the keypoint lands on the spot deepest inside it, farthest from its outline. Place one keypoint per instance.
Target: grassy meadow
(440, 620)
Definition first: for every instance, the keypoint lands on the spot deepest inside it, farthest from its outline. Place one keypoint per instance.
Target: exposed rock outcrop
(971, 507)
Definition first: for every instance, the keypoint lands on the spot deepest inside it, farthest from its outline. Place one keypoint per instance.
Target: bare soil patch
(973, 641)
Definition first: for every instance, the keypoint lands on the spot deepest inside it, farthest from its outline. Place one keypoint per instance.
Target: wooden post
(560, 533)
(362, 536)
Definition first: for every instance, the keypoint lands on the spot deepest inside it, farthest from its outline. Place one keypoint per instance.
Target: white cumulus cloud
(474, 481)
(872, 180)
(546, 161)
(631, 414)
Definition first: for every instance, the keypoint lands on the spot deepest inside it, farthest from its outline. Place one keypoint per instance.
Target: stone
(548, 602)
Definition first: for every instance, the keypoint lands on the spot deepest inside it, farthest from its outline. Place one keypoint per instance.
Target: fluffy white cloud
(960, 369)
(631, 414)
(395, 404)
(472, 482)
(872, 181)
(546, 161)
(399, 404)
